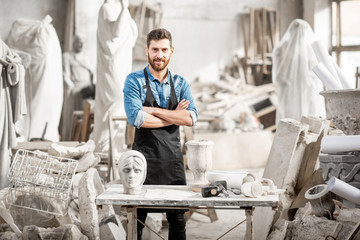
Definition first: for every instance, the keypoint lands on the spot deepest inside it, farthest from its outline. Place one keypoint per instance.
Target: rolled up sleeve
(193, 116)
(140, 118)
(132, 102)
(186, 94)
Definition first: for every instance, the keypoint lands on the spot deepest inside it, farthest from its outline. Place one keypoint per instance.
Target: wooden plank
(338, 31)
(252, 33)
(243, 31)
(249, 233)
(277, 27)
(348, 48)
(86, 121)
(112, 173)
(271, 20)
(129, 135)
(264, 13)
(76, 125)
(77, 131)
(69, 25)
(258, 34)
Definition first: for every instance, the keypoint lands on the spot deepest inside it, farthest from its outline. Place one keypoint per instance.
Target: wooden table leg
(131, 223)
(249, 234)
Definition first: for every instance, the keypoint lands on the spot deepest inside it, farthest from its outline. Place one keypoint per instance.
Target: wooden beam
(349, 48)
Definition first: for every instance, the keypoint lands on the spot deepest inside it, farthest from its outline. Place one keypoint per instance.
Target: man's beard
(156, 67)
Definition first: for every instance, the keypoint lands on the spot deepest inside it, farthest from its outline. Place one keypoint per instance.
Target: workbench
(180, 197)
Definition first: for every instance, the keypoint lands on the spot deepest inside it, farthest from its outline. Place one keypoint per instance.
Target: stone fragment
(279, 230)
(5, 214)
(66, 232)
(154, 221)
(291, 162)
(110, 229)
(90, 187)
(71, 152)
(313, 228)
(9, 236)
(87, 161)
(24, 216)
(74, 213)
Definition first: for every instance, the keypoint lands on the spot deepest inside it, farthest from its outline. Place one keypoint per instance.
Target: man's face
(159, 53)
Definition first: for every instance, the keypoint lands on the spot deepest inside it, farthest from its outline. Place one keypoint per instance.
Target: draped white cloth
(116, 37)
(296, 85)
(12, 106)
(44, 84)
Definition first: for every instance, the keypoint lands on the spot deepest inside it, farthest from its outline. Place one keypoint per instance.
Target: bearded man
(157, 102)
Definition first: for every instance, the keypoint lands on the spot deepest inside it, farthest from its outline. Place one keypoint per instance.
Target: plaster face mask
(132, 170)
(132, 173)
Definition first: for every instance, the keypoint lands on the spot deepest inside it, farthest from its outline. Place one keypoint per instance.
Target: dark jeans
(175, 218)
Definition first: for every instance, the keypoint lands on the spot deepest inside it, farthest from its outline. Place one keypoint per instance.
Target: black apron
(161, 146)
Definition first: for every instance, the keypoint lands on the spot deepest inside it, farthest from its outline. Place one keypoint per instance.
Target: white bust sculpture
(132, 170)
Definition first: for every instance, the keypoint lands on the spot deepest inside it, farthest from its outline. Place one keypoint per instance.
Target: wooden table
(172, 197)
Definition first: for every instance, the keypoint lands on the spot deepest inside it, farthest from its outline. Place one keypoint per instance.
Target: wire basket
(41, 182)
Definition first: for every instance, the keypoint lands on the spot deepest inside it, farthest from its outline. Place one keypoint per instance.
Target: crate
(41, 182)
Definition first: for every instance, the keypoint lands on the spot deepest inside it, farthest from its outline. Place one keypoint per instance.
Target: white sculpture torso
(117, 34)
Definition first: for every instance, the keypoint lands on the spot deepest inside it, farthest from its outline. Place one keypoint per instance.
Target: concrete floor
(200, 226)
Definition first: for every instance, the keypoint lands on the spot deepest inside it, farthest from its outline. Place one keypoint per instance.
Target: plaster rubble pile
(296, 148)
(225, 103)
(83, 219)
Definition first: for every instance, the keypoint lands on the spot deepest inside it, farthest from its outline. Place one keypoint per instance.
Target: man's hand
(179, 116)
(183, 105)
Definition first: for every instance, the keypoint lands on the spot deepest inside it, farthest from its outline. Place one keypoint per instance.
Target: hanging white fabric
(11, 78)
(44, 86)
(296, 85)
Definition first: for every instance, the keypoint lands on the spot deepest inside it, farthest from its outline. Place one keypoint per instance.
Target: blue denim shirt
(135, 93)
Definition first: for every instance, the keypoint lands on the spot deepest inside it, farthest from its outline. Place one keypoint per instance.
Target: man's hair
(158, 34)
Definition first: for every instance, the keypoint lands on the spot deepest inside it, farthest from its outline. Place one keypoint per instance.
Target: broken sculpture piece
(71, 152)
(132, 170)
(321, 202)
(343, 109)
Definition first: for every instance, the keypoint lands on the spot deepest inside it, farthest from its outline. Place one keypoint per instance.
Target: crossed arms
(152, 117)
(159, 117)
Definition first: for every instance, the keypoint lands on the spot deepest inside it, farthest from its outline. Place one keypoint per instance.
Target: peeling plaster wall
(206, 33)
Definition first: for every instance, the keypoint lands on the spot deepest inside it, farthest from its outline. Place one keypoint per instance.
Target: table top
(179, 196)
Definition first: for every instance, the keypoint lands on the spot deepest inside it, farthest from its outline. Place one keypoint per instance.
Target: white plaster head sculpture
(132, 170)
